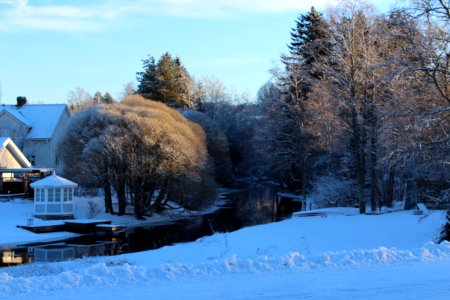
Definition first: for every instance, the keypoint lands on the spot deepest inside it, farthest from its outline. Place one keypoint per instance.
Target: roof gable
(6, 144)
(42, 118)
(6, 109)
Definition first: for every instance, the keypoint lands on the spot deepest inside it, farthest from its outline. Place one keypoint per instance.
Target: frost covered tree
(286, 104)
(217, 143)
(415, 117)
(208, 94)
(145, 150)
(79, 99)
(82, 154)
(367, 103)
(353, 76)
(237, 118)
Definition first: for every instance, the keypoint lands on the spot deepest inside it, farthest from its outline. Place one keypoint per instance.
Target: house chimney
(21, 101)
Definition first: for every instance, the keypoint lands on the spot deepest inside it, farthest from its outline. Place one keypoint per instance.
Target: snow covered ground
(341, 256)
(18, 212)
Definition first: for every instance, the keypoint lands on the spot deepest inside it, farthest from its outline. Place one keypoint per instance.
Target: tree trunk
(361, 177)
(162, 194)
(360, 161)
(121, 196)
(304, 177)
(138, 200)
(148, 198)
(373, 171)
(373, 181)
(390, 187)
(410, 194)
(108, 197)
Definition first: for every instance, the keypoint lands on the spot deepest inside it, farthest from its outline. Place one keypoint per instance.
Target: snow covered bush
(144, 150)
(331, 191)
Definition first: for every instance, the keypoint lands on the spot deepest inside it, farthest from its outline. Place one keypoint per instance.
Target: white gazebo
(53, 197)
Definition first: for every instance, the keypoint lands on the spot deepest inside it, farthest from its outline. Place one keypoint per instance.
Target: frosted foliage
(217, 142)
(331, 191)
(140, 143)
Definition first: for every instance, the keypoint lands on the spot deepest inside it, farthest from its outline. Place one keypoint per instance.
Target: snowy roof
(11, 109)
(7, 143)
(42, 118)
(53, 181)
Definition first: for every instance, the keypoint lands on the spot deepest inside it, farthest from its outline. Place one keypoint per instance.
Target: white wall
(11, 127)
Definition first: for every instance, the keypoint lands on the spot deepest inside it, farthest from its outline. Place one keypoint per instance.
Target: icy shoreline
(340, 256)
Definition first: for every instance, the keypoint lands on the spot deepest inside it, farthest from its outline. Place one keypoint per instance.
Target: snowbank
(334, 257)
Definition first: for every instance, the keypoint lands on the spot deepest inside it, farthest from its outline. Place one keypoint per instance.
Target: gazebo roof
(53, 181)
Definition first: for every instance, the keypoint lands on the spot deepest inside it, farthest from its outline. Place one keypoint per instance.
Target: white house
(36, 130)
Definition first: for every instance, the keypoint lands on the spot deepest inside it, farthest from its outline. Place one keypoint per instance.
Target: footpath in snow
(341, 256)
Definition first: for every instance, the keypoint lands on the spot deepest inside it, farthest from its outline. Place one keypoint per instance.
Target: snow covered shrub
(94, 209)
(331, 191)
(88, 207)
(144, 150)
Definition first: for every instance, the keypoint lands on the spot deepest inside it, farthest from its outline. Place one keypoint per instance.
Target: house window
(68, 194)
(58, 195)
(51, 195)
(39, 195)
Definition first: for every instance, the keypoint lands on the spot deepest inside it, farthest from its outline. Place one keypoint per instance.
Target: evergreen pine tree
(149, 84)
(309, 43)
(166, 81)
(107, 98)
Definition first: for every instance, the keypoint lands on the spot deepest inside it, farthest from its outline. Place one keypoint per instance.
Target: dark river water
(257, 204)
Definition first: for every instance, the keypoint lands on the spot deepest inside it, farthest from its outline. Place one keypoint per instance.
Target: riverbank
(20, 212)
(341, 255)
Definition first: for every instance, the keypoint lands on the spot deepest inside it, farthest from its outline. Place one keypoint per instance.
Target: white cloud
(13, 2)
(89, 15)
(223, 8)
(271, 6)
(16, 15)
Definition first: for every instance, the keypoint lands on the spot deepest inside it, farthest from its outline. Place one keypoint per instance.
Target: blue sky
(49, 47)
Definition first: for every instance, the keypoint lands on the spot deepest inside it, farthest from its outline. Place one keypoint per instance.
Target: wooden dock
(111, 228)
(45, 228)
(83, 226)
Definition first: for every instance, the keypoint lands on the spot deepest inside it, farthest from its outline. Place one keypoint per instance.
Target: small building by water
(53, 197)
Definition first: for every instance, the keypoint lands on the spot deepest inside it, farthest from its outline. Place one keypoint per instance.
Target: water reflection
(253, 205)
(61, 252)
